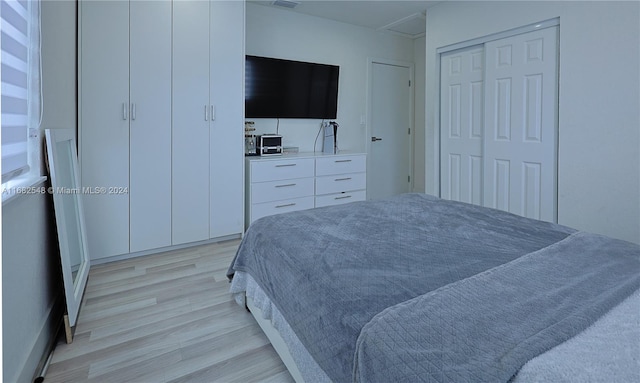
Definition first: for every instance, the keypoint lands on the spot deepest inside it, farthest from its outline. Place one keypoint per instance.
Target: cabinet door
(104, 121)
(227, 128)
(191, 113)
(150, 127)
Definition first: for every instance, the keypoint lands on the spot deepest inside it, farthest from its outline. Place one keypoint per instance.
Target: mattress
(377, 268)
(580, 359)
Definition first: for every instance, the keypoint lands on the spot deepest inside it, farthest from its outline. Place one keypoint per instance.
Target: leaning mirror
(67, 201)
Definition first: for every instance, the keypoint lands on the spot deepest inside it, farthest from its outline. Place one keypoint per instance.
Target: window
(20, 78)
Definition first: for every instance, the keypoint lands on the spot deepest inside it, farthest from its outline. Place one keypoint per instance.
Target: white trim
(464, 45)
(368, 113)
(499, 35)
(22, 186)
(65, 223)
(122, 257)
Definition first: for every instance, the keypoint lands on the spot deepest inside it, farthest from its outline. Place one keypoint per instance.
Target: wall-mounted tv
(277, 88)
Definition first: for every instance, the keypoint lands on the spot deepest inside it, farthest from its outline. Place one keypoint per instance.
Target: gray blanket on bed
(330, 271)
(484, 328)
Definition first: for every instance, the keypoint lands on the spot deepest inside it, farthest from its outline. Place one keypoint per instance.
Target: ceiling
(400, 17)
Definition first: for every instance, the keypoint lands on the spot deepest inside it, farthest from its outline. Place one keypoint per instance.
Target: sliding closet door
(521, 124)
(461, 116)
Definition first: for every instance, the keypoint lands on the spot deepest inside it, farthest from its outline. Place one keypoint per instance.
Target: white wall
(599, 123)
(59, 64)
(31, 283)
(284, 34)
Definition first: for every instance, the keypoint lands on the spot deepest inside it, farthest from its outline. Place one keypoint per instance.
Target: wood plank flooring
(166, 318)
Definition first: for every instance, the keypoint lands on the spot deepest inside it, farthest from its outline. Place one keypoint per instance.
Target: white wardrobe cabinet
(125, 125)
(190, 121)
(226, 161)
(161, 116)
(208, 119)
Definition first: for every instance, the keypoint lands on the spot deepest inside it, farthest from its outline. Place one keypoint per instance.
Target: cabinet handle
(133, 111)
(213, 112)
(345, 197)
(206, 113)
(342, 160)
(124, 110)
(287, 205)
(343, 179)
(284, 186)
(284, 165)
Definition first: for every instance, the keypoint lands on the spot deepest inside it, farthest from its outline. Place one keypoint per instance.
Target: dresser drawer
(340, 198)
(260, 210)
(340, 165)
(341, 183)
(282, 189)
(282, 169)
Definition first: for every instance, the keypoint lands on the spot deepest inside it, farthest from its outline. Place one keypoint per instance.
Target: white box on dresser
(291, 182)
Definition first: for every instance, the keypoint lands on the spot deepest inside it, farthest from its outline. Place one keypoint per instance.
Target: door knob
(374, 139)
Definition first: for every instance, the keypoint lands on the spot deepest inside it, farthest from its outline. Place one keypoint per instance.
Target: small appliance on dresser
(249, 139)
(269, 145)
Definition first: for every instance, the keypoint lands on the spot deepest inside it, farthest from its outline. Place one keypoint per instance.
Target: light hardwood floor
(166, 318)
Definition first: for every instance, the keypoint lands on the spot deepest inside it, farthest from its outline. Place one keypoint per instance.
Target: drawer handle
(287, 205)
(285, 186)
(345, 197)
(284, 165)
(342, 160)
(343, 179)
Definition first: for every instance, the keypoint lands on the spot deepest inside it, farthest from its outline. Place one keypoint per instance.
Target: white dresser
(280, 184)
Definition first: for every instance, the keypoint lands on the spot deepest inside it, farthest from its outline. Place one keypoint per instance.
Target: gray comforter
(338, 273)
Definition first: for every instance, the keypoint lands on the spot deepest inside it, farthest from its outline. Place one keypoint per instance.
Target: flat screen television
(277, 88)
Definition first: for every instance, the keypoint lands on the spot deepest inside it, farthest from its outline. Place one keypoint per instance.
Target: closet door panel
(104, 122)
(150, 128)
(191, 114)
(521, 124)
(462, 121)
(227, 128)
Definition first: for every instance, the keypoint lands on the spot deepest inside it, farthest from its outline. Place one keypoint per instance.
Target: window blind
(14, 26)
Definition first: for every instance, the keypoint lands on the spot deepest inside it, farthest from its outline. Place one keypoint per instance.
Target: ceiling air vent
(411, 26)
(285, 3)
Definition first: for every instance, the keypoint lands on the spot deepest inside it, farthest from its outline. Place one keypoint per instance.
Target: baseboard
(123, 257)
(44, 343)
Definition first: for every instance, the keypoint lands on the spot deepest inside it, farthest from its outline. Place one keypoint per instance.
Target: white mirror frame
(73, 292)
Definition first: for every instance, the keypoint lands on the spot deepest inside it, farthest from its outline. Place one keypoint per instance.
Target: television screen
(276, 88)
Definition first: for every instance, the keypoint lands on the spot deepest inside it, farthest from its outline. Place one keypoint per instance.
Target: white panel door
(390, 154)
(227, 124)
(521, 124)
(191, 113)
(150, 128)
(104, 121)
(461, 124)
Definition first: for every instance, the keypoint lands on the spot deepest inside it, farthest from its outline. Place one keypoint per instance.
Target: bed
(419, 289)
